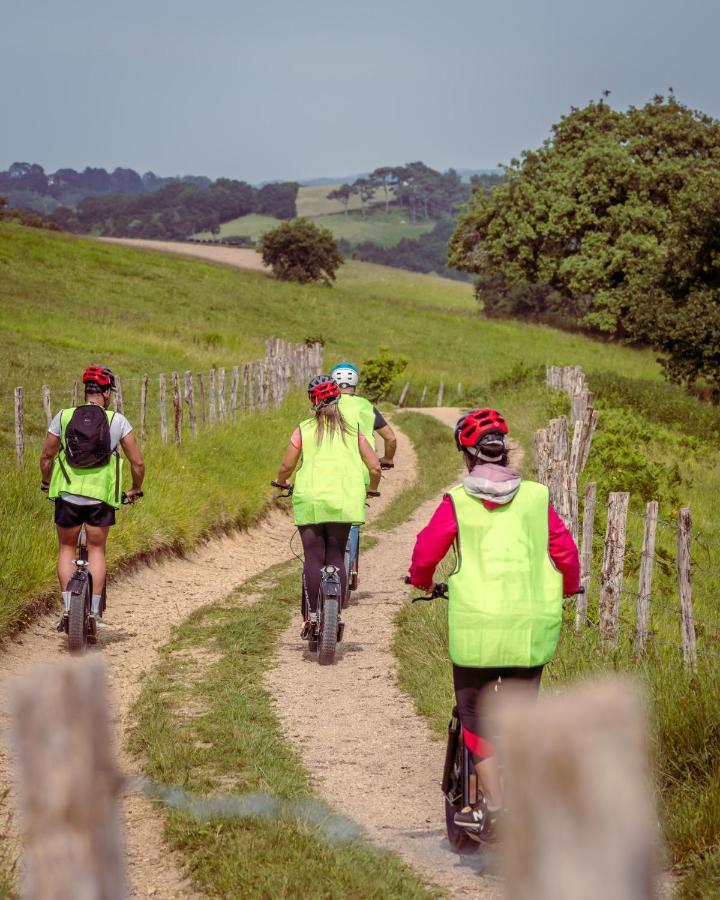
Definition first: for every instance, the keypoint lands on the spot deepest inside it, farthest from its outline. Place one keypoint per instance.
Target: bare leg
(96, 540)
(67, 540)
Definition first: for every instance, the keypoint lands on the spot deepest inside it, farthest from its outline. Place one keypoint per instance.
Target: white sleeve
(125, 426)
(54, 427)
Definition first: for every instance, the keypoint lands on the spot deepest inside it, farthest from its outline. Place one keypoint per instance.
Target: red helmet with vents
(475, 425)
(100, 376)
(322, 390)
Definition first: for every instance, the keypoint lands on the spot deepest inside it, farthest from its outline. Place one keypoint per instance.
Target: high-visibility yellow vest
(505, 596)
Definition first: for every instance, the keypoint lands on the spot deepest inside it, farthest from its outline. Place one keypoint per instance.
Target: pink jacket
(437, 537)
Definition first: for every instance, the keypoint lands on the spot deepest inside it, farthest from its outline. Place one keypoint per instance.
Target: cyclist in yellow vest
(515, 562)
(369, 420)
(89, 495)
(331, 456)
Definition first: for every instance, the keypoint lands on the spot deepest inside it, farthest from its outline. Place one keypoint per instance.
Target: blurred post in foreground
(581, 821)
(68, 784)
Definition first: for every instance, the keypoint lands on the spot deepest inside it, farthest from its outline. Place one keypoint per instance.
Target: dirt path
(229, 256)
(142, 608)
(372, 757)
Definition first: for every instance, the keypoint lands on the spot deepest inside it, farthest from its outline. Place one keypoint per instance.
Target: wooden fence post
(163, 419)
(19, 426)
(251, 388)
(588, 526)
(68, 783)
(262, 400)
(221, 394)
(212, 397)
(143, 407)
(423, 395)
(201, 387)
(647, 561)
(74, 394)
(440, 394)
(611, 579)
(685, 589)
(582, 823)
(190, 398)
(118, 398)
(234, 392)
(404, 393)
(177, 408)
(244, 400)
(47, 406)
(459, 390)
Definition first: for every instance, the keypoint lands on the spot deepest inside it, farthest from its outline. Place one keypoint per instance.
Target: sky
(281, 89)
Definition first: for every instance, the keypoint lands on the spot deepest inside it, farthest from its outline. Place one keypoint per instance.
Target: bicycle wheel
(458, 838)
(78, 614)
(329, 615)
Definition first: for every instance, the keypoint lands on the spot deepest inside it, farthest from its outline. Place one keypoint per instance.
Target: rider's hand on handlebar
(386, 463)
(133, 495)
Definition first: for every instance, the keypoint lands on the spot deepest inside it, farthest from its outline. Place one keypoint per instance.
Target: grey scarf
(489, 481)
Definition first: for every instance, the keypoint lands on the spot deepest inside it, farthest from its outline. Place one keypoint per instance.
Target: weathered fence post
(177, 408)
(74, 394)
(190, 398)
(251, 388)
(244, 392)
(685, 589)
(440, 394)
(423, 395)
(118, 400)
(611, 579)
(19, 426)
(212, 416)
(581, 823)
(143, 407)
(459, 390)
(262, 399)
(404, 393)
(234, 391)
(163, 419)
(647, 559)
(201, 387)
(47, 406)
(68, 783)
(221, 394)
(586, 548)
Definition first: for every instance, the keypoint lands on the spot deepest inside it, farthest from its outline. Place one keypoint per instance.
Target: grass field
(386, 229)
(312, 200)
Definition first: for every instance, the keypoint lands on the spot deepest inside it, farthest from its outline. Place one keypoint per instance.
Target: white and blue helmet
(346, 374)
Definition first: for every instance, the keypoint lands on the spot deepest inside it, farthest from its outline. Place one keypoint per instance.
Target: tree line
(610, 226)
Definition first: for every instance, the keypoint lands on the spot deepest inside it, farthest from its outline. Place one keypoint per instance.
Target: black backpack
(87, 438)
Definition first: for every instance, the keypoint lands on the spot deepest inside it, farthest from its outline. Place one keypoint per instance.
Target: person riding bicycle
(369, 420)
(515, 562)
(330, 488)
(81, 471)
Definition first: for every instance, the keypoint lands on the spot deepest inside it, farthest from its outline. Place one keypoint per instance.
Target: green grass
(232, 743)
(252, 226)
(312, 200)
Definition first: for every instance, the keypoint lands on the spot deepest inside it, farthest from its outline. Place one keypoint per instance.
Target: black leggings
(474, 690)
(323, 545)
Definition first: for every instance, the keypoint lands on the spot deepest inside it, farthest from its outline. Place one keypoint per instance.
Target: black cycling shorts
(70, 515)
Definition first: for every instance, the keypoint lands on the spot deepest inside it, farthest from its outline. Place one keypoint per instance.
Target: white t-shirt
(119, 428)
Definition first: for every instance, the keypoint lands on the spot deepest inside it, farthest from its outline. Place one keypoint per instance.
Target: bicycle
(459, 784)
(77, 622)
(352, 552)
(325, 634)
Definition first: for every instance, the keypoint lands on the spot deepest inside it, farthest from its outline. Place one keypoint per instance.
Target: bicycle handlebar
(387, 465)
(287, 488)
(439, 592)
(124, 498)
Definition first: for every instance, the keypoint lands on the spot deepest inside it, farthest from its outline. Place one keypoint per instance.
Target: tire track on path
(369, 754)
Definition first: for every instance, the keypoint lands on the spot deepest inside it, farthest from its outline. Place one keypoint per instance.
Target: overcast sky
(302, 88)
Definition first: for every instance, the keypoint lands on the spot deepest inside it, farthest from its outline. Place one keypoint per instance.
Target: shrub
(379, 372)
(301, 251)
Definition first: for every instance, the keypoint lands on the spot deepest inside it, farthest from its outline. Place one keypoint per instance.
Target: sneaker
(308, 628)
(480, 820)
(61, 624)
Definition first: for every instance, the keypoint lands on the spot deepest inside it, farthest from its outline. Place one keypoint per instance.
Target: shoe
(308, 628)
(480, 820)
(61, 624)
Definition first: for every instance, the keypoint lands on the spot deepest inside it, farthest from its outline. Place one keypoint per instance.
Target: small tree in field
(301, 251)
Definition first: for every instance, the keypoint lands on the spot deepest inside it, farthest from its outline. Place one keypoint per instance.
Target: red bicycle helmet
(471, 428)
(322, 390)
(100, 376)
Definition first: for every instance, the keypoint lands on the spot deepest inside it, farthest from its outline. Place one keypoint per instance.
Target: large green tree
(613, 222)
(301, 251)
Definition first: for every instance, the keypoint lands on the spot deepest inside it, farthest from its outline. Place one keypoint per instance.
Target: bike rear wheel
(458, 838)
(78, 614)
(329, 616)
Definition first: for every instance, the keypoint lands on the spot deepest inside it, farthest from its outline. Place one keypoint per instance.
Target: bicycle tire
(327, 641)
(77, 617)
(458, 838)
